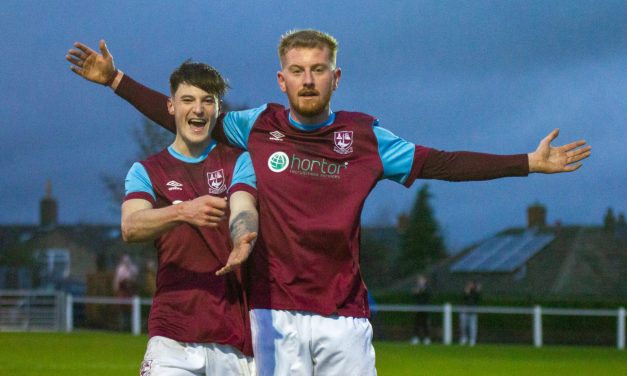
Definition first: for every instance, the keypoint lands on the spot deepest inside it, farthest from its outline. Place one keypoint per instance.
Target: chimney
(48, 208)
(536, 216)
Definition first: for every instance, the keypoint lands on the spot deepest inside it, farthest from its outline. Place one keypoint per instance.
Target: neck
(310, 120)
(192, 150)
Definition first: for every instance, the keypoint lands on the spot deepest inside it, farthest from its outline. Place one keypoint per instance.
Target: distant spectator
(468, 315)
(422, 296)
(125, 286)
(125, 279)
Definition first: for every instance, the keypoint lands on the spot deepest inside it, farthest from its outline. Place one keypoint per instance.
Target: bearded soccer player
(198, 322)
(309, 306)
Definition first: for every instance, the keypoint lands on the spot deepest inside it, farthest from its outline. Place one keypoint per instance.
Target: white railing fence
(26, 310)
(134, 302)
(537, 312)
(30, 310)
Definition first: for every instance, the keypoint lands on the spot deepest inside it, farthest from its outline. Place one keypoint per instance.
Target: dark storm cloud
(483, 36)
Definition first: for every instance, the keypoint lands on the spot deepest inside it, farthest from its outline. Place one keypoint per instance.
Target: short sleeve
(401, 159)
(238, 124)
(138, 185)
(244, 175)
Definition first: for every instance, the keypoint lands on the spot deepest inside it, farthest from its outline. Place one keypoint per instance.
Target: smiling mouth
(197, 123)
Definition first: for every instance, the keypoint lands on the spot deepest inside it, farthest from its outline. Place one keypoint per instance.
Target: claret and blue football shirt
(191, 303)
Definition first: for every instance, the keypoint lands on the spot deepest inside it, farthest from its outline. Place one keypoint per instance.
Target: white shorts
(297, 343)
(167, 357)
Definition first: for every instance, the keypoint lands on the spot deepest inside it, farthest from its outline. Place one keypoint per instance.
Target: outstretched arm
(470, 166)
(142, 222)
(99, 68)
(548, 159)
(243, 223)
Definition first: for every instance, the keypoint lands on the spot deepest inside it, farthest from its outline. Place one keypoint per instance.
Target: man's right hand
(90, 65)
(203, 211)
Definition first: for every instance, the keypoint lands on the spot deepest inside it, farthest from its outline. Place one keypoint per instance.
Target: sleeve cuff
(243, 187)
(420, 156)
(140, 195)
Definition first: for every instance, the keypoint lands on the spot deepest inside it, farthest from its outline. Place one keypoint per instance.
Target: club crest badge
(215, 180)
(145, 368)
(343, 142)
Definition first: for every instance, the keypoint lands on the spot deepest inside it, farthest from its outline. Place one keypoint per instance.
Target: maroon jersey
(313, 186)
(191, 303)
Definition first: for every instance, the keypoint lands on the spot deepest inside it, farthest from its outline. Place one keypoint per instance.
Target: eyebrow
(313, 66)
(191, 96)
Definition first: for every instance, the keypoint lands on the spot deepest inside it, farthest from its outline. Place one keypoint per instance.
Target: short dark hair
(200, 75)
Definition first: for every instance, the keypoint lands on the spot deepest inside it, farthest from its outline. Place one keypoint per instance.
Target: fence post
(28, 313)
(447, 324)
(620, 329)
(60, 307)
(136, 325)
(69, 313)
(537, 326)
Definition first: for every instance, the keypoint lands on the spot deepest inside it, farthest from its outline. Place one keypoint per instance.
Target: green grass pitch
(95, 354)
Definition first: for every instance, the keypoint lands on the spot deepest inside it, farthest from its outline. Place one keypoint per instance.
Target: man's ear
(170, 106)
(337, 73)
(281, 81)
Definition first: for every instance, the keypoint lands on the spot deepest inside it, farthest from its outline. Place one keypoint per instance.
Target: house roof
(100, 239)
(580, 261)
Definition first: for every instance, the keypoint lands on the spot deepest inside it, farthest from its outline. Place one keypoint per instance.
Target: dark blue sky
(490, 76)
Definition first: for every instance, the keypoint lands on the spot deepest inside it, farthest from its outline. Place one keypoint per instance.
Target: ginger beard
(309, 102)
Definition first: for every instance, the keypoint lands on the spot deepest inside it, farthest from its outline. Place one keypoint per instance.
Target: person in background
(125, 286)
(468, 320)
(422, 296)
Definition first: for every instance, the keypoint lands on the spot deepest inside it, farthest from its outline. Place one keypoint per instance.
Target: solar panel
(504, 253)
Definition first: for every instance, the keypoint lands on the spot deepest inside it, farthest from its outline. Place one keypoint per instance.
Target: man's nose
(198, 109)
(308, 79)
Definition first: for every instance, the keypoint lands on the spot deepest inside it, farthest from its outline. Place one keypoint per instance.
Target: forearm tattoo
(245, 222)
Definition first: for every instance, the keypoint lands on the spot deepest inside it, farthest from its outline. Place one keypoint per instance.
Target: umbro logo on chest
(342, 140)
(276, 136)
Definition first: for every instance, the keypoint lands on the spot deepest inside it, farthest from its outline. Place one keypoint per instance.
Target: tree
(150, 139)
(609, 222)
(421, 242)
(375, 262)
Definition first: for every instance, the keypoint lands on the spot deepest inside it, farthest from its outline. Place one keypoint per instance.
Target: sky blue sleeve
(397, 155)
(137, 180)
(237, 125)
(243, 171)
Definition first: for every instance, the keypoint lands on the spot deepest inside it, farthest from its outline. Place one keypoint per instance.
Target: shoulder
(358, 118)
(274, 107)
(155, 158)
(228, 150)
(274, 110)
(253, 113)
